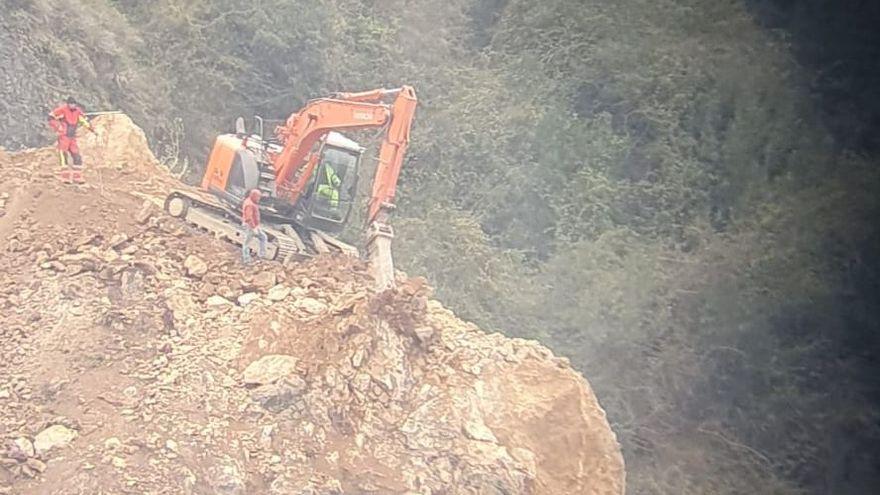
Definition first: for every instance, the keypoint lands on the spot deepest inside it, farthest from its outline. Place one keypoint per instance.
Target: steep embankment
(139, 357)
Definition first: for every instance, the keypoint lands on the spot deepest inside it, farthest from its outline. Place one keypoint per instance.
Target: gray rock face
(276, 397)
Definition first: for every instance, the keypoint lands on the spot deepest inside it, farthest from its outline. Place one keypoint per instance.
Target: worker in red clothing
(65, 120)
(250, 222)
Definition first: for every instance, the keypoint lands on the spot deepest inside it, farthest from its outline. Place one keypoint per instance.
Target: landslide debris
(138, 356)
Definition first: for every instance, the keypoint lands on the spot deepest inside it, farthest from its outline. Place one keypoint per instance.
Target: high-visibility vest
(332, 178)
(330, 190)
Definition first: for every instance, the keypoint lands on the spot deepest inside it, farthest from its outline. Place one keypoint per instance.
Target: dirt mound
(143, 359)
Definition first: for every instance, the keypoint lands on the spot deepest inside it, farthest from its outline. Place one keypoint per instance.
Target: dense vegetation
(671, 193)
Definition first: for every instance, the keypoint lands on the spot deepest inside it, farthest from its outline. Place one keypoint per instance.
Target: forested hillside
(681, 196)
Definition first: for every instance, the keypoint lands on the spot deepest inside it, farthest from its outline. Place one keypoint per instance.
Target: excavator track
(290, 246)
(285, 243)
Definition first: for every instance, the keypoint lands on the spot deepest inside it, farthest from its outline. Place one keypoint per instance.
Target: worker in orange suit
(65, 120)
(250, 222)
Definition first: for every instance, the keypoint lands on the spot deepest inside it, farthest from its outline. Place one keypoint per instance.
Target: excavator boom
(346, 111)
(353, 111)
(393, 149)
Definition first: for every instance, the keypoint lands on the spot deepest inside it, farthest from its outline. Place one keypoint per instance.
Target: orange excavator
(308, 173)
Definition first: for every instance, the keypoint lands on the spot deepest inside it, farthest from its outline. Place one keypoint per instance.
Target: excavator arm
(348, 111)
(293, 165)
(394, 145)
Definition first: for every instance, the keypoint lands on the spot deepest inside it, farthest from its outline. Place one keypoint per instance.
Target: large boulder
(278, 293)
(247, 298)
(269, 369)
(195, 267)
(310, 305)
(216, 302)
(55, 436)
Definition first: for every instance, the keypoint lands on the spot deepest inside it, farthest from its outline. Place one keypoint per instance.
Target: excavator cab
(330, 194)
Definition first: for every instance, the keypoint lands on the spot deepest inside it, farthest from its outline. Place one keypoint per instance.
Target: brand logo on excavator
(363, 116)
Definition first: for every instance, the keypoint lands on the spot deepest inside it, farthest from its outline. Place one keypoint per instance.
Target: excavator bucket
(378, 250)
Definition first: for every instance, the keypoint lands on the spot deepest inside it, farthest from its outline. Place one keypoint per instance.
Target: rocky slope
(139, 357)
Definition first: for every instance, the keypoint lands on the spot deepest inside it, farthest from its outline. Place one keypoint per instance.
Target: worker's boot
(76, 175)
(65, 175)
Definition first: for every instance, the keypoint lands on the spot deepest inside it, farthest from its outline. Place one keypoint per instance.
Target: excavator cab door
(332, 189)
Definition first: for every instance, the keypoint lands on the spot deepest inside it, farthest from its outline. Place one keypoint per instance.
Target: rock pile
(142, 358)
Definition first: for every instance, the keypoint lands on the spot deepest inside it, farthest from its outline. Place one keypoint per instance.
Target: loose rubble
(142, 358)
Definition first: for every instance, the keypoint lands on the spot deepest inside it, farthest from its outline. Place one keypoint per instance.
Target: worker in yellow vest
(329, 187)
